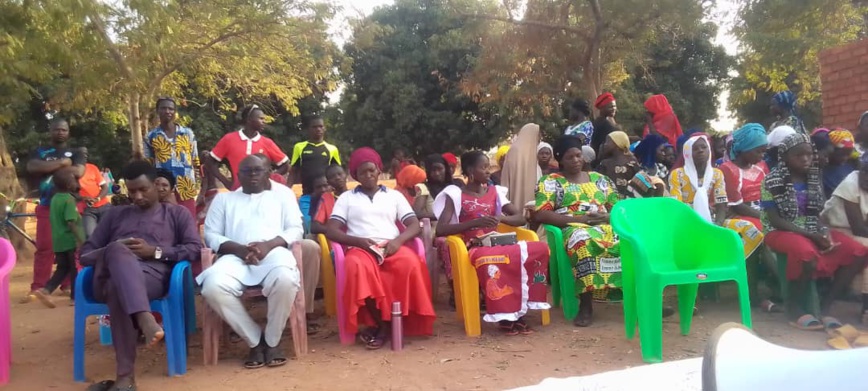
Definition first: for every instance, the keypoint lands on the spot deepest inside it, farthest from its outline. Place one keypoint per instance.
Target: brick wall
(844, 79)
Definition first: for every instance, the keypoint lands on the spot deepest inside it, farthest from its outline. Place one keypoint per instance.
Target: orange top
(90, 184)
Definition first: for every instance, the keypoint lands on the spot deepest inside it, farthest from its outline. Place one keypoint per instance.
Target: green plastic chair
(561, 273)
(810, 303)
(664, 242)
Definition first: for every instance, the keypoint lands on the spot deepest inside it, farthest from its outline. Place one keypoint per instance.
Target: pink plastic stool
(7, 262)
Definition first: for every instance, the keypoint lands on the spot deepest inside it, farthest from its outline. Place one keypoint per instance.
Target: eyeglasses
(252, 171)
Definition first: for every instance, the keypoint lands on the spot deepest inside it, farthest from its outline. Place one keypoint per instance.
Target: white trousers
(222, 291)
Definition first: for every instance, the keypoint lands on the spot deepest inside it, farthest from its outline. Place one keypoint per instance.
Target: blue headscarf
(646, 151)
(785, 99)
(748, 137)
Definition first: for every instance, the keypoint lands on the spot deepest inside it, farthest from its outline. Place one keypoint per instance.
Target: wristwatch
(158, 253)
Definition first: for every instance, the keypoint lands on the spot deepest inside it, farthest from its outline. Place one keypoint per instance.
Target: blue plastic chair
(177, 309)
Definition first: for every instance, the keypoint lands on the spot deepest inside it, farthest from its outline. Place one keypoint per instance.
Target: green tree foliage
(403, 84)
(781, 41)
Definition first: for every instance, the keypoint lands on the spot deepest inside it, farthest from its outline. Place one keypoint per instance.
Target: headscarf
(778, 134)
(785, 99)
(664, 118)
(501, 153)
(819, 130)
(604, 99)
(521, 172)
(564, 144)
(364, 155)
(434, 188)
(542, 145)
(748, 137)
(780, 185)
(842, 138)
(821, 140)
(588, 154)
(679, 146)
(451, 159)
(409, 176)
(621, 139)
(700, 199)
(646, 152)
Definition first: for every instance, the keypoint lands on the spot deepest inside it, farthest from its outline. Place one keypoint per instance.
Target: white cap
(777, 135)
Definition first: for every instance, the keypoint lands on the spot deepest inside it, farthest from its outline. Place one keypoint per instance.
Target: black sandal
(256, 358)
(376, 342)
(507, 327)
(367, 335)
(274, 357)
(104, 385)
(584, 319)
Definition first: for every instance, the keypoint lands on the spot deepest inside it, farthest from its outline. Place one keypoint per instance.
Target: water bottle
(397, 327)
(105, 330)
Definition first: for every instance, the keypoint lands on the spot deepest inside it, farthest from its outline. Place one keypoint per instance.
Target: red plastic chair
(212, 324)
(340, 272)
(7, 262)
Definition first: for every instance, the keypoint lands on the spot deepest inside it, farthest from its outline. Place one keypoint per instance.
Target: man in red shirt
(94, 191)
(235, 146)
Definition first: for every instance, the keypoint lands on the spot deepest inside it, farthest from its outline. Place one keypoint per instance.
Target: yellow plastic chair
(327, 272)
(466, 283)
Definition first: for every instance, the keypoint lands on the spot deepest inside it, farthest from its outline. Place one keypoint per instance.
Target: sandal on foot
(104, 385)
(274, 357)
(367, 335)
(583, 319)
(507, 328)
(522, 327)
(376, 342)
(256, 358)
(770, 306)
(807, 322)
(830, 323)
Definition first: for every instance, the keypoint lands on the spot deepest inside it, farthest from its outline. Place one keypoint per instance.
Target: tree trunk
(135, 119)
(9, 184)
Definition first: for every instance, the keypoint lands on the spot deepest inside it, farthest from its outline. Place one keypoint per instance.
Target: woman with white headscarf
(520, 168)
(544, 158)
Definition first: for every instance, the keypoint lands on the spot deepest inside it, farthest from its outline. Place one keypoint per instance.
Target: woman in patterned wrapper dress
(579, 203)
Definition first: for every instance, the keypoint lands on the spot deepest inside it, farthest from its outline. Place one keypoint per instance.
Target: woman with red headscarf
(661, 119)
(605, 122)
(379, 269)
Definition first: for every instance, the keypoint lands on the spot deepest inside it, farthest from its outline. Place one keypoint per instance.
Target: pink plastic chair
(212, 324)
(340, 272)
(7, 262)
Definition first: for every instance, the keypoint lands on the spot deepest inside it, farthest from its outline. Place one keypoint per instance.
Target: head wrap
(167, 175)
(364, 155)
(780, 185)
(842, 138)
(646, 151)
(663, 117)
(748, 137)
(582, 106)
(604, 99)
(621, 139)
(543, 145)
(819, 130)
(821, 140)
(501, 153)
(700, 199)
(450, 158)
(679, 151)
(777, 135)
(564, 144)
(785, 99)
(588, 154)
(410, 176)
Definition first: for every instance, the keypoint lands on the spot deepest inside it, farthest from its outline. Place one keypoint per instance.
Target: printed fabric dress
(510, 288)
(593, 250)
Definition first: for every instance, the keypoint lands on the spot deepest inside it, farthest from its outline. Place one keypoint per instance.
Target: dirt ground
(42, 351)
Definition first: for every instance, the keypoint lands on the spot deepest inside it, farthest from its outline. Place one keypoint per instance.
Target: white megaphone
(736, 359)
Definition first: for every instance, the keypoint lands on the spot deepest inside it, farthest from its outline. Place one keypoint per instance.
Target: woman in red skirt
(792, 198)
(512, 277)
(379, 269)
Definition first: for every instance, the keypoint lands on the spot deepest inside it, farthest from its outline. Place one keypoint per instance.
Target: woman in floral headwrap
(379, 269)
(792, 198)
(840, 164)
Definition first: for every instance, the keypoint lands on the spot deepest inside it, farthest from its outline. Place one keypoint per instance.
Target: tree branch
(116, 54)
